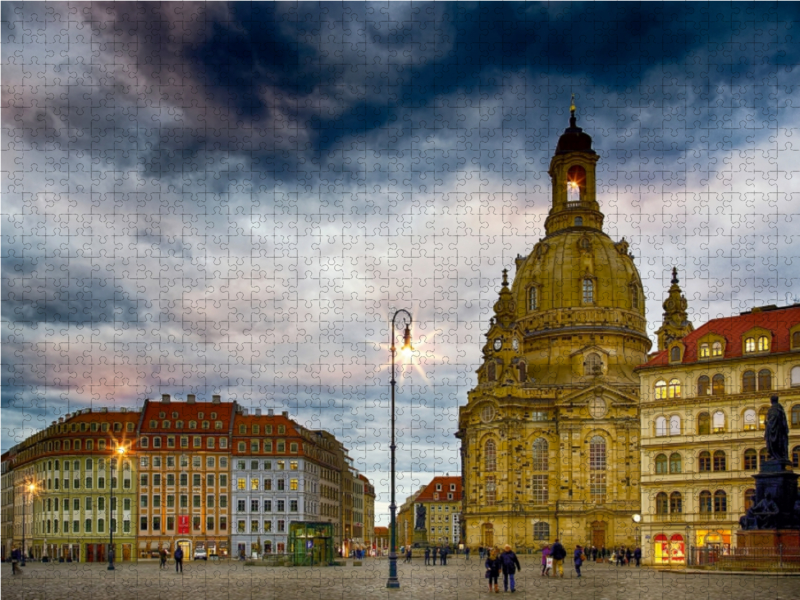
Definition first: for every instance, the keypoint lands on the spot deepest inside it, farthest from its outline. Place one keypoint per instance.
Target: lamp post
(393, 582)
(687, 545)
(31, 487)
(121, 453)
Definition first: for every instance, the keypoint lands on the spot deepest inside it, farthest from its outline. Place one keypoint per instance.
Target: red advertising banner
(183, 523)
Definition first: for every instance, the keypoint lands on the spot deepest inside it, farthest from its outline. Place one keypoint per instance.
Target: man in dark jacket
(559, 553)
(178, 560)
(427, 555)
(510, 567)
(443, 555)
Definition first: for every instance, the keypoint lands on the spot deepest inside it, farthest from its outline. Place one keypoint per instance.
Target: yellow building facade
(550, 434)
(704, 399)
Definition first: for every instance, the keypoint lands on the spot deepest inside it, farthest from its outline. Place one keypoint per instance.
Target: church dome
(574, 139)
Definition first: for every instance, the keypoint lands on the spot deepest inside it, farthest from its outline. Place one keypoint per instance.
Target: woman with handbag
(493, 565)
(547, 561)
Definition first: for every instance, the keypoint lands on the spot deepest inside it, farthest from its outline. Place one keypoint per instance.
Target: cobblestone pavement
(459, 580)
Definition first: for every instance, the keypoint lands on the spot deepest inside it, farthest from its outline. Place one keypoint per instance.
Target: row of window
(707, 502)
(267, 465)
(167, 424)
(88, 483)
(257, 526)
(183, 461)
(183, 479)
(183, 501)
(183, 440)
(196, 523)
(718, 461)
(540, 455)
(715, 386)
(255, 505)
(89, 504)
(588, 286)
(74, 526)
(717, 422)
(94, 427)
(55, 465)
(266, 484)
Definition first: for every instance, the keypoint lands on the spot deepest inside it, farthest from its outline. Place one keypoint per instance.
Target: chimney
(165, 398)
(285, 413)
(60, 419)
(216, 399)
(123, 409)
(258, 412)
(190, 399)
(270, 412)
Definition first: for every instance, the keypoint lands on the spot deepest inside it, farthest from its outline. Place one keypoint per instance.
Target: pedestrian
(493, 566)
(163, 556)
(620, 556)
(628, 556)
(559, 553)
(178, 560)
(435, 554)
(427, 555)
(466, 553)
(578, 557)
(443, 555)
(15, 556)
(637, 555)
(594, 553)
(547, 560)
(408, 554)
(510, 567)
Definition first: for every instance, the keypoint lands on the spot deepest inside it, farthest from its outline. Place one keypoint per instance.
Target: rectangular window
(210, 480)
(292, 505)
(268, 485)
(209, 523)
(170, 500)
(267, 505)
(293, 484)
(157, 501)
(143, 479)
(597, 486)
(223, 501)
(197, 441)
(171, 479)
(540, 489)
(184, 441)
(281, 485)
(254, 526)
(268, 446)
(184, 478)
(156, 462)
(253, 505)
(281, 447)
(142, 523)
(156, 442)
(143, 501)
(281, 506)
(170, 523)
(210, 462)
(491, 490)
(240, 526)
(196, 501)
(196, 523)
(170, 462)
(254, 445)
(197, 480)
(223, 480)
(184, 500)
(170, 441)
(281, 525)
(156, 523)
(210, 501)
(223, 523)
(241, 483)
(254, 483)
(267, 526)
(241, 505)
(293, 465)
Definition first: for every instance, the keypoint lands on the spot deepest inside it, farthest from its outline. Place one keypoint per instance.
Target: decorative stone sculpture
(776, 432)
(420, 522)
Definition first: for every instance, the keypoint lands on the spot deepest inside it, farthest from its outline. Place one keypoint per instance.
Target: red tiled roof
(777, 321)
(427, 495)
(186, 411)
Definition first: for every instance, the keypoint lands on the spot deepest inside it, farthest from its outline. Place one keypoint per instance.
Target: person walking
(443, 552)
(466, 553)
(427, 555)
(178, 560)
(163, 556)
(15, 558)
(510, 564)
(628, 556)
(408, 554)
(637, 555)
(594, 553)
(493, 566)
(559, 554)
(435, 554)
(546, 558)
(578, 557)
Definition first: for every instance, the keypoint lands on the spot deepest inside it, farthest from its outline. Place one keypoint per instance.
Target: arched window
(762, 416)
(750, 345)
(675, 354)
(533, 298)
(576, 183)
(720, 461)
(661, 464)
(718, 385)
(675, 465)
(763, 344)
(750, 420)
(796, 339)
(716, 349)
(674, 425)
(634, 297)
(588, 291)
(704, 461)
(541, 531)
(597, 468)
(705, 501)
(750, 460)
(491, 490)
(749, 381)
(703, 424)
(764, 380)
(718, 422)
(662, 503)
(674, 389)
(720, 502)
(762, 456)
(540, 455)
(703, 385)
(705, 351)
(578, 221)
(661, 426)
(661, 390)
(491, 371)
(523, 371)
(795, 376)
(795, 419)
(675, 503)
(749, 498)
(490, 456)
(795, 456)
(593, 365)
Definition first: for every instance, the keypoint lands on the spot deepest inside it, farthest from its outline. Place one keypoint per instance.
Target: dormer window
(716, 349)
(705, 351)
(763, 344)
(750, 345)
(675, 354)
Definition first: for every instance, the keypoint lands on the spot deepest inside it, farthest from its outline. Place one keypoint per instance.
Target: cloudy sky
(234, 198)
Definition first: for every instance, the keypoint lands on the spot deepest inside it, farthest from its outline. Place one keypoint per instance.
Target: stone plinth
(420, 538)
(768, 539)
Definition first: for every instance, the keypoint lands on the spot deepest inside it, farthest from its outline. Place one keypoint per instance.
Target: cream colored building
(550, 434)
(704, 398)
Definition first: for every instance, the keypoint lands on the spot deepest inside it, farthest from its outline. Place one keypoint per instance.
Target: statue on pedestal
(776, 432)
(420, 522)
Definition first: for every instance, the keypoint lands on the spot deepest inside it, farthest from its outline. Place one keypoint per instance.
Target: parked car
(200, 554)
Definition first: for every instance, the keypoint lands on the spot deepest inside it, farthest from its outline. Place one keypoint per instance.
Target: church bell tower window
(576, 183)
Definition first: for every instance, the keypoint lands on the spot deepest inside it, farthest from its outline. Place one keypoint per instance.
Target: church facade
(550, 434)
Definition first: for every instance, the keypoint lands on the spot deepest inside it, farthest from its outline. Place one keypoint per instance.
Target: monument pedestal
(768, 540)
(420, 539)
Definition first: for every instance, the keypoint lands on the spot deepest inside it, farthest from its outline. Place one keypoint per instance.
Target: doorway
(487, 535)
(599, 534)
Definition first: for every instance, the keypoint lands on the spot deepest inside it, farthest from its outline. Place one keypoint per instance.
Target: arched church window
(540, 455)
(578, 221)
(593, 365)
(675, 354)
(533, 298)
(491, 371)
(588, 291)
(597, 468)
(490, 456)
(576, 183)
(523, 372)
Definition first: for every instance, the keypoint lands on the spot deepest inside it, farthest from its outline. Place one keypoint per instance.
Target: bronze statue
(420, 523)
(776, 432)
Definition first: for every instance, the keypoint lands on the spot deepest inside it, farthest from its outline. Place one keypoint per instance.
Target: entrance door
(598, 534)
(186, 546)
(126, 552)
(488, 535)
(90, 553)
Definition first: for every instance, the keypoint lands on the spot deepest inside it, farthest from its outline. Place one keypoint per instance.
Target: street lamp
(687, 545)
(393, 582)
(121, 452)
(31, 488)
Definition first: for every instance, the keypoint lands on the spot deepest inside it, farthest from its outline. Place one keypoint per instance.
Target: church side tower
(550, 432)
(676, 324)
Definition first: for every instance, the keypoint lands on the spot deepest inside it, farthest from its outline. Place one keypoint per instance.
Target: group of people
(433, 553)
(626, 556)
(497, 562)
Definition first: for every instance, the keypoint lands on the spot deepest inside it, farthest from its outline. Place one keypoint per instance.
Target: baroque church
(550, 434)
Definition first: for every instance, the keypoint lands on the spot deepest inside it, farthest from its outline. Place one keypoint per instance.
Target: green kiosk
(311, 543)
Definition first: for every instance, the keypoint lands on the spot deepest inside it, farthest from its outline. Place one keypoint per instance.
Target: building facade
(705, 395)
(442, 501)
(550, 434)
